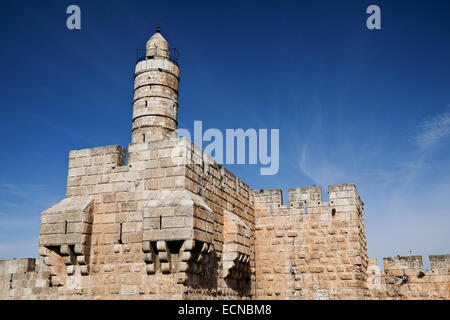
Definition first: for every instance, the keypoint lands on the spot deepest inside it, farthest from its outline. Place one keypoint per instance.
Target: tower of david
(161, 219)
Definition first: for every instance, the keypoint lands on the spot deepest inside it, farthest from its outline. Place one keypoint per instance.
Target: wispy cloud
(320, 171)
(434, 130)
(16, 191)
(398, 175)
(61, 129)
(33, 194)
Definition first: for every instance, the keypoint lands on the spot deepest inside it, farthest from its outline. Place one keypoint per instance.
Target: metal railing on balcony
(141, 54)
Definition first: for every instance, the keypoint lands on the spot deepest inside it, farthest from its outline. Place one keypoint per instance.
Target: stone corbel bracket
(57, 269)
(194, 257)
(164, 256)
(149, 257)
(73, 255)
(238, 268)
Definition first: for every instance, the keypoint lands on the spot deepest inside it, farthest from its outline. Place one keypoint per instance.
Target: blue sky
(352, 105)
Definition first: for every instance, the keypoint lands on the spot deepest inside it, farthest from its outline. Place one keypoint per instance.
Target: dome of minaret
(157, 46)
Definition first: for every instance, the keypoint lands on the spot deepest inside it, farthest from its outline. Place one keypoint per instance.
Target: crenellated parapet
(316, 246)
(404, 277)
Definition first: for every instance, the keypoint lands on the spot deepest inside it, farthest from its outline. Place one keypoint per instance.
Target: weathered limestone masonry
(155, 104)
(310, 249)
(168, 222)
(405, 278)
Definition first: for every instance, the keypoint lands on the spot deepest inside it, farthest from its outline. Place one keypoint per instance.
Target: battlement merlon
(440, 263)
(271, 197)
(86, 166)
(343, 196)
(107, 155)
(401, 263)
(305, 194)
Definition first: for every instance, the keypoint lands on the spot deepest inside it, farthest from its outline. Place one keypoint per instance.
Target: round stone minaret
(155, 103)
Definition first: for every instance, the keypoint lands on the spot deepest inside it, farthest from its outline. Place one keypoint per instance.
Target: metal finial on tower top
(158, 29)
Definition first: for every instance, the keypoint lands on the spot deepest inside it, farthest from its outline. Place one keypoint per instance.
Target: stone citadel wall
(166, 221)
(310, 249)
(405, 278)
(173, 224)
(149, 229)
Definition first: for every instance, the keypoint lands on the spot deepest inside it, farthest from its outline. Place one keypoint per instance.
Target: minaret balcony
(157, 52)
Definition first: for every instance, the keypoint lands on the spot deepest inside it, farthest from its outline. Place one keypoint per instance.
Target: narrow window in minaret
(143, 137)
(65, 227)
(160, 222)
(145, 103)
(11, 281)
(120, 234)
